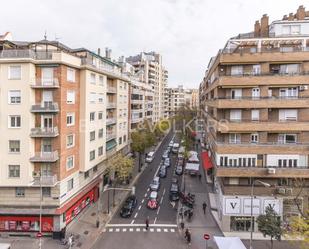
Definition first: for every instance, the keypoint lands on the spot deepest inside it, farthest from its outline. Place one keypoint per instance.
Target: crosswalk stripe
(124, 229)
(165, 230)
(151, 230)
(138, 229)
(131, 229)
(117, 230)
(110, 230)
(172, 230)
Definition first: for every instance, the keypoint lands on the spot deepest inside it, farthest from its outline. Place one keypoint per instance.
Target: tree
(138, 145)
(122, 166)
(269, 224)
(298, 227)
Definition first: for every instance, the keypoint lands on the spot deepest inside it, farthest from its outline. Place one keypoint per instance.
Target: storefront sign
(247, 206)
(232, 206)
(25, 223)
(272, 203)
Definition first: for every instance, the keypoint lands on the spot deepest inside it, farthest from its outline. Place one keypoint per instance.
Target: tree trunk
(139, 161)
(271, 242)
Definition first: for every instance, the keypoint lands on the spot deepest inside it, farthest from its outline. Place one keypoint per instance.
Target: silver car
(155, 184)
(167, 162)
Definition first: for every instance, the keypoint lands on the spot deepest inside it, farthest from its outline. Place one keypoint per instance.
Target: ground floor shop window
(241, 224)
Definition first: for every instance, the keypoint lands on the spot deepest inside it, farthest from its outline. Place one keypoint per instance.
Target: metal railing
(46, 83)
(259, 98)
(255, 74)
(45, 107)
(45, 180)
(255, 50)
(111, 105)
(110, 121)
(110, 136)
(111, 89)
(45, 156)
(44, 132)
(219, 143)
(26, 53)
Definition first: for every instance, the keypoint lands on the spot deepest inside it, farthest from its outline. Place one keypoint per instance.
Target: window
(234, 138)
(236, 93)
(70, 140)
(70, 184)
(287, 138)
(70, 97)
(291, 92)
(100, 115)
(254, 138)
(100, 151)
(14, 121)
(288, 115)
(100, 133)
(14, 72)
(70, 162)
(120, 140)
(14, 97)
(255, 93)
(100, 97)
(70, 119)
(19, 192)
(237, 70)
(92, 135)
(14, 171)
(92, 116)
(92, 155)
(291, 29)
(256, 69)
(255, 115)
(14, 146)
(46, 191)
(95, 168)
(235, 115)
(92, 78)
(86, 174)
(101, 80)
(92, 98)
(70, 75)
(124, 138)
(289, 68)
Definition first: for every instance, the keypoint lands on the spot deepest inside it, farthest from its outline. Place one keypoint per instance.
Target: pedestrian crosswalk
(113, 228)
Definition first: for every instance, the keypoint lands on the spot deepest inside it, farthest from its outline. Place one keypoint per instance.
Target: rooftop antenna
(45, 35)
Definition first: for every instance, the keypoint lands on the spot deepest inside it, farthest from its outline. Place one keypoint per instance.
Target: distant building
(6, 37)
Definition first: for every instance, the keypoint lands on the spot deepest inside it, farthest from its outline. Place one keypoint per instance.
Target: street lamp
(265, 184)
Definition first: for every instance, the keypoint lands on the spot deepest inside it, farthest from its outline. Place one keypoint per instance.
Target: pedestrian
(147, 223)
(188, 236)
(204, 207)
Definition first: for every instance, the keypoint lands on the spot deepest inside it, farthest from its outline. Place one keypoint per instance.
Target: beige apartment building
(150, 69)
(255, 101)
(64, 112)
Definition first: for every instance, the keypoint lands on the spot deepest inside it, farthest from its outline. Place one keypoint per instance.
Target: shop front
(240, 223)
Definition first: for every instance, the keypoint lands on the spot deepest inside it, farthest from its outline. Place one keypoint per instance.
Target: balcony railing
(110, 136)
(45, 180)
(45, 107)
(263, 50)
(255, 74)
(44, 132)
(46, 83)
(259, 98)
(110, 121)
(239, 143)
(111, 105)
(45, 157)
(111, 89)
(26, 53)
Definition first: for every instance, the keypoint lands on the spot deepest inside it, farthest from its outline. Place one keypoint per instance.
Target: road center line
(135, 215)
(143, 201)
(139, 208)
(132, 222)
(155, 220)
(145, 195)
(158, 211)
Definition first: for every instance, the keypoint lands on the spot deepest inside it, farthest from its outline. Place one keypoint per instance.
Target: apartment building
(150, 68)
(64, 112)
(255, 101)
(192, 98)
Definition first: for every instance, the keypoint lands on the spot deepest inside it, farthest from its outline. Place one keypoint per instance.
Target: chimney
(291, 17)
(264, 26)
(108, 53)
(257, 29)
(99, 51)
(301, 13)
(285, 17)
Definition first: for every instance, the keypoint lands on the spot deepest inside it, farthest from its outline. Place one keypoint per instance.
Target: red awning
(206, 160)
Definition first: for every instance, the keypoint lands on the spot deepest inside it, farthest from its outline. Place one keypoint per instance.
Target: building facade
(64, 113)
(254, 99)
(151, 71)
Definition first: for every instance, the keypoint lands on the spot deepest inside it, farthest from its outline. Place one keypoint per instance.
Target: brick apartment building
(255, 101)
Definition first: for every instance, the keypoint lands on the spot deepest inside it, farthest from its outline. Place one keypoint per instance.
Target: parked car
(153, 200)
(155, 184)
(174, 192)
(175, 147)
(171, 143)
(128, 207)
(180, 162)
(167, 162)
(165, 155)
(178, 170)
(162, 171)
(150, 157)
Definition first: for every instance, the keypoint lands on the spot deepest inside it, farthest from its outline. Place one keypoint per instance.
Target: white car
(171, 143)
(167, 162)
(155, 184)
(150, 157)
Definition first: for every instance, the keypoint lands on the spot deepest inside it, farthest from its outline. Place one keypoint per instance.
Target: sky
(187, 33)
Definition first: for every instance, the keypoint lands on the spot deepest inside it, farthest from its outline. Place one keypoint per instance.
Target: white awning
(229, 243)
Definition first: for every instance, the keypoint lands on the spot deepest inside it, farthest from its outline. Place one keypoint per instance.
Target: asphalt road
(163, 232)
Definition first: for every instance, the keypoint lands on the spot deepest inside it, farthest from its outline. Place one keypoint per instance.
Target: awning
(229, 243)
(206, 160)
(110, 144)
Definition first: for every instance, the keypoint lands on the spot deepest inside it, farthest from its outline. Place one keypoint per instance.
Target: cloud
(186, 32)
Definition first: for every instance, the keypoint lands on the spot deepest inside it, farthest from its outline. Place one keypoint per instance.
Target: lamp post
(265, 184)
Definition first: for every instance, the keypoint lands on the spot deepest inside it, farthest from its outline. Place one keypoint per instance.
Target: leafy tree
(269, 224)
(123, 166)
(139, 145)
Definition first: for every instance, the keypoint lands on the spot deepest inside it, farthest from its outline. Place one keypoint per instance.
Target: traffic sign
(39, 235)
(206, 236)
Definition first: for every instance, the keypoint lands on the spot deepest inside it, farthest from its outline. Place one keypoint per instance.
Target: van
(175, 147)
(150, 157)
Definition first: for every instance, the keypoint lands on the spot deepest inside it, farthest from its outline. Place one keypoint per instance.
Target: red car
(153, 200)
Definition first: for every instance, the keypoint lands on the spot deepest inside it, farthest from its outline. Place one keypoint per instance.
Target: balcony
(110, 121)
(111, 89)
(110, 136)
(261, 148)
(111, 105)
(45, 157)
(26, 53)
(44, 132)
(297, 172)
(46, 84)
(136, 101)
(262, 102)
(48, 181)
(48, 107)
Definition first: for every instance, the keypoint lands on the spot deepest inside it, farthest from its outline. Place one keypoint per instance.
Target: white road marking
(158, 211)
(131, 229)
(155, 220)
(151, 230)
(143, 201)
(141, 225)
(139, 208)
(145, 195)
(132, 222)
(148, 189)
(124, 229)
(172, 230)
(110, 230)
(144, 230)
(161, 200)
(135, 215)
(165, 230)
(104, 230)
(138, 229)
(158, 229)
(117, 230)
(163, 192)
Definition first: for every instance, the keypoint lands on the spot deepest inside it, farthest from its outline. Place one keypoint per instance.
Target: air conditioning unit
(303, 88)
(281, 191)
(289, 191)
(271, 171)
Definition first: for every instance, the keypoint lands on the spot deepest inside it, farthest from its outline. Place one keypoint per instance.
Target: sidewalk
(84, 226)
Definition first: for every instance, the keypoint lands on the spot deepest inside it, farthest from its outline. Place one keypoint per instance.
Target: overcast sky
(186, 32)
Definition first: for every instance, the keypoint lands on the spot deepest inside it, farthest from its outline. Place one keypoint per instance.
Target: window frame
(10, 74)
(70, 158)
(73, 71)
(16, 97)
